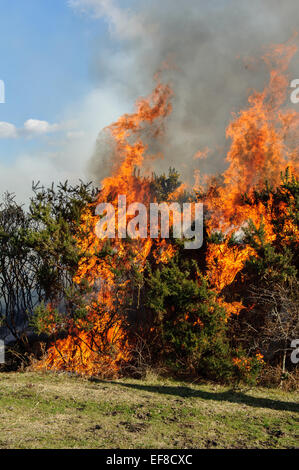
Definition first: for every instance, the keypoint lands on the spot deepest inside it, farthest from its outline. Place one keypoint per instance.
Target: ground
(48, 410)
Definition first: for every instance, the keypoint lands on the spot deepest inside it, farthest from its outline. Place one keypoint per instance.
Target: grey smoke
(212, 45)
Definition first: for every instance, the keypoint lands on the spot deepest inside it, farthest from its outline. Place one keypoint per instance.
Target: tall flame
(79, 352)
(263, 145)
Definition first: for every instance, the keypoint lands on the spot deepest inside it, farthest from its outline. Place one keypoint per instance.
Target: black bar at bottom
(144, 458)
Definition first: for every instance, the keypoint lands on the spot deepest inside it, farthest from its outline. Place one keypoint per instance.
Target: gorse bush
(191, 324)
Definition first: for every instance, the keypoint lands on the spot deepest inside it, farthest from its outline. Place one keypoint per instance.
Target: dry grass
(46, 410)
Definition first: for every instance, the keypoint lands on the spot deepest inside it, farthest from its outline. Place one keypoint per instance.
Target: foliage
(57, 215)
(20, 290)
(190, 321)
(38, 251)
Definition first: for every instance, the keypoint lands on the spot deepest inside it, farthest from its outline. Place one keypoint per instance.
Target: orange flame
(104, 347)
(262, 147)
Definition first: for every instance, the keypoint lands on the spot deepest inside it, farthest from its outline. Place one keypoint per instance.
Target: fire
(101, 349)
(262, 146)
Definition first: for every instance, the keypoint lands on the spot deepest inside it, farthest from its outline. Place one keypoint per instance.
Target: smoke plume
(209, 52)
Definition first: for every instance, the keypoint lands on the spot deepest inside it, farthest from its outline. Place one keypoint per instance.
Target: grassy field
(60, 411)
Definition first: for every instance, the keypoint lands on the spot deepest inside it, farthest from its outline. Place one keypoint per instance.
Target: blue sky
(45, 50)
(54, 104)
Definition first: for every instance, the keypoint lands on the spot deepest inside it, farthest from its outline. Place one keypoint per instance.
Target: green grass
(47, 410)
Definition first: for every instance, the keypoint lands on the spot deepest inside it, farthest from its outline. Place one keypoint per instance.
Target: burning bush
(195, 309)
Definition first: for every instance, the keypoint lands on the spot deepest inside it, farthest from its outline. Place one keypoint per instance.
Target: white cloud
(31, 128)
(37, 127)
(7, 131)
